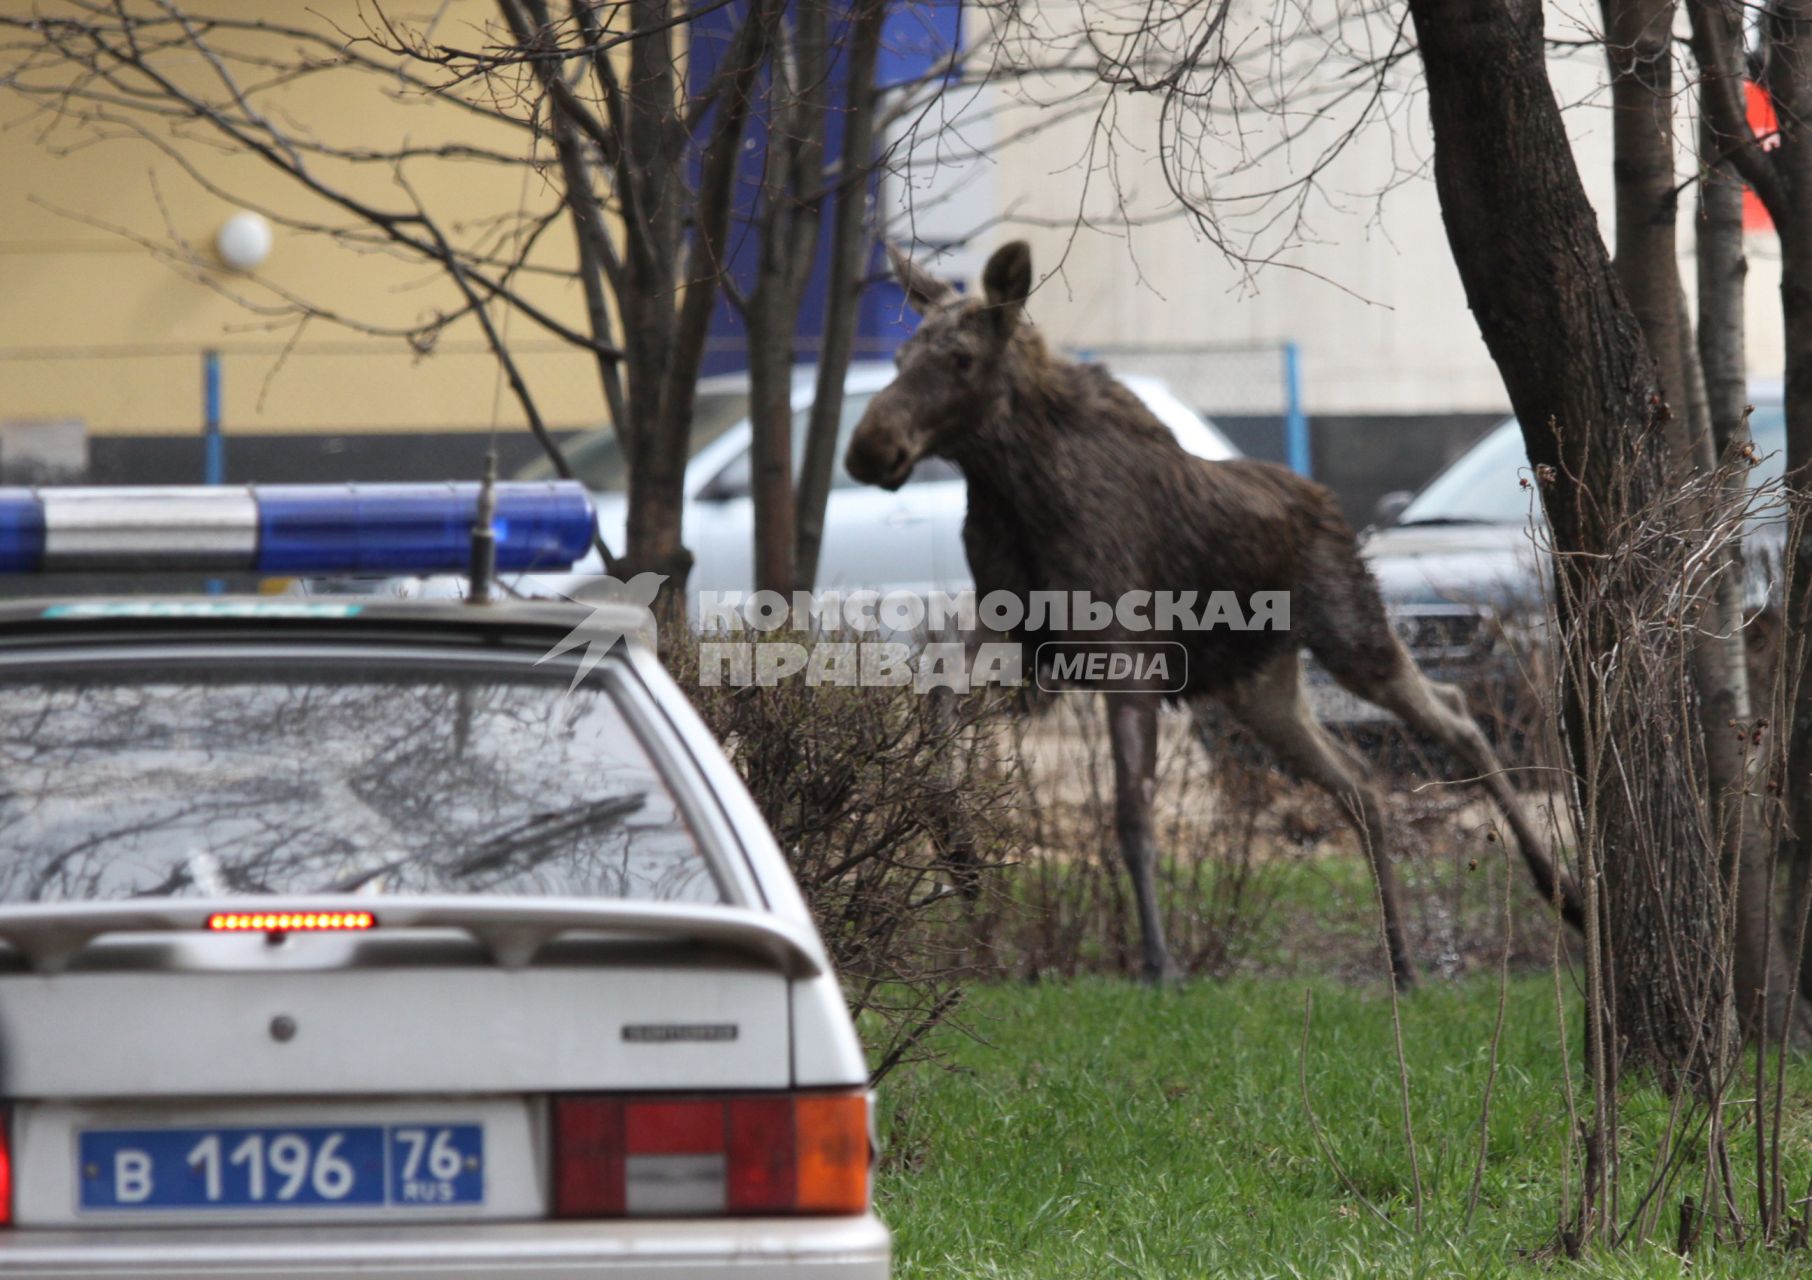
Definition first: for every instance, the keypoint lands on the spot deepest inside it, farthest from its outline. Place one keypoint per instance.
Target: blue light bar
(381, 528)
(291, 529)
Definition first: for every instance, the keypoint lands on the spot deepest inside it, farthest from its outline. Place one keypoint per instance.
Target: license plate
(293, 1166)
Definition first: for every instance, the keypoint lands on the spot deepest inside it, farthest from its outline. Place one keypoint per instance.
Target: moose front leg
(1132, 720)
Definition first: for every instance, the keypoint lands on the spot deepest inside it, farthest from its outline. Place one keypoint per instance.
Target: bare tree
(1645, 101)
(1779, 169)
(1718, 415)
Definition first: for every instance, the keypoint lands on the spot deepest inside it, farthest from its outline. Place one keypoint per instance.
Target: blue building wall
(916, 38)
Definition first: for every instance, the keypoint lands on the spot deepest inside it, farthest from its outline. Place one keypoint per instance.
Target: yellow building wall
(98, 327)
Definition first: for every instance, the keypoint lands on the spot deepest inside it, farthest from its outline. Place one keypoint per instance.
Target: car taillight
(802, 1153)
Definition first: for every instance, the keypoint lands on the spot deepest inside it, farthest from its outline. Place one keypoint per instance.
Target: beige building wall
(99, 328)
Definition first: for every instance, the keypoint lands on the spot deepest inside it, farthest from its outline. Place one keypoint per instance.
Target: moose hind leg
(1271, 704)
(1132, 721)
(1439, 710)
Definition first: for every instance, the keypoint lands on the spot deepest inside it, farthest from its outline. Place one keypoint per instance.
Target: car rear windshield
(359, 776)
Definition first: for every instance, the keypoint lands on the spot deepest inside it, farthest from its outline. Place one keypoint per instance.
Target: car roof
(538, 623)
(868, 376)
(1762, 393)
(862, 375)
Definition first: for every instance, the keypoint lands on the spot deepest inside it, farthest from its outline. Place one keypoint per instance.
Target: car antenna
(483, 571)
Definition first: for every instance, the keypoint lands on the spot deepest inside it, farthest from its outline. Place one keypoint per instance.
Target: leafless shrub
(895, 811)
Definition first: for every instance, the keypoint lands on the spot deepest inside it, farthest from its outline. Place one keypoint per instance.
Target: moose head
(951, 371)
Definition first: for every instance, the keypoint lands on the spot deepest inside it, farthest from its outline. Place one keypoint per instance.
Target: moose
(1074, 486)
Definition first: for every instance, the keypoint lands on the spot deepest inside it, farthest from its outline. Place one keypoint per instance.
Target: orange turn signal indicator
(290, 921)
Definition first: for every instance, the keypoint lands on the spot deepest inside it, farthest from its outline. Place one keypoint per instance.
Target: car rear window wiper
(542, 835)
(546, 833)
(1440, 520)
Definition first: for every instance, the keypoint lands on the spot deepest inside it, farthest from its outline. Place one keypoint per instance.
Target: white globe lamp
(243, 241)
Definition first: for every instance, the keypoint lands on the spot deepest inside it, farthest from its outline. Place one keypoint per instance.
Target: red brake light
(290, 921)
(673, 1128)
(754, 1154)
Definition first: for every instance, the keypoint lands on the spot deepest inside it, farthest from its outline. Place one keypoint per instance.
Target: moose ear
(1007, 279)
(924, 291)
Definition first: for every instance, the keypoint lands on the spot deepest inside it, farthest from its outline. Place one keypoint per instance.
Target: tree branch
(1721, 101)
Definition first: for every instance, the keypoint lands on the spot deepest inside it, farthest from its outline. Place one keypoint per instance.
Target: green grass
(1305, 915)
(1099, 1129)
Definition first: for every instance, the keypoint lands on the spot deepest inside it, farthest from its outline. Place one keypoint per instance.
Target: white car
(383, 938)
(908, 540)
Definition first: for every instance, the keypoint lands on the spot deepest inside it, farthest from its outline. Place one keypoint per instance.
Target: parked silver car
(385, 938)
(1463, 553)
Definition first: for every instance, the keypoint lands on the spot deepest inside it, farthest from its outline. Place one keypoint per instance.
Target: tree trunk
(1640, 49)
(849, 257)
(651, 150)
(1764, 976)
(1788, 78)
(1638, 44)
(1782, 179)
(1796, 315)
(1723, 272)
(674, 344)
(1584, 384)
(798, 115)
(771, 449)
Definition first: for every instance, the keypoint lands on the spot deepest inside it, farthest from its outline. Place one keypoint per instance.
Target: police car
(392, 938)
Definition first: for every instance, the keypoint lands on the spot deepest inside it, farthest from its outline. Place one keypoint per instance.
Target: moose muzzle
(885, 446)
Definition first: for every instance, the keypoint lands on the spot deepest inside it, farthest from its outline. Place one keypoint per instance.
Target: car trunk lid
(443, 994)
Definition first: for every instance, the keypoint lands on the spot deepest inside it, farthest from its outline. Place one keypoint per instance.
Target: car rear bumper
(746, 1249)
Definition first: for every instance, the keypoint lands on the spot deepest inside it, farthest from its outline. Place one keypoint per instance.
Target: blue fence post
(1296, 422)
(213, 444)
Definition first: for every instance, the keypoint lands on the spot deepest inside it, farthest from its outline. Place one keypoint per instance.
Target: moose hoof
(1161, 975)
